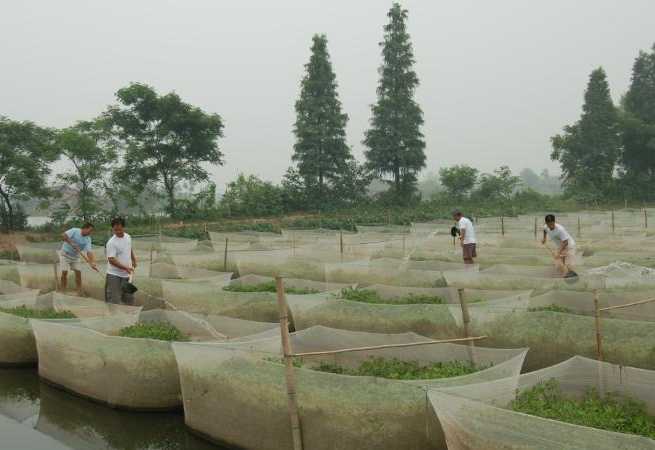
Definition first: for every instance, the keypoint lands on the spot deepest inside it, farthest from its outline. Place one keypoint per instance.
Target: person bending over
(565, 255)
(466, 236)
(76, 241)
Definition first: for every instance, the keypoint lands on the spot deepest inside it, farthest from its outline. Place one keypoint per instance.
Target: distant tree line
(155, 149)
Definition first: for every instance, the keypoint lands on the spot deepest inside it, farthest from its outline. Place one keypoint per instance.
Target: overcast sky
(498, 78)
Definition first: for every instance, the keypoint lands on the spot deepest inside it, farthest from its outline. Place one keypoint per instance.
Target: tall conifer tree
(638, 131)
(320, 151)
(395, 142)
(589, 149)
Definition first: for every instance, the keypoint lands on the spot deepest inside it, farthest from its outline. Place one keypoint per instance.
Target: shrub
(29, 313)
(162, 331)
(609, 412)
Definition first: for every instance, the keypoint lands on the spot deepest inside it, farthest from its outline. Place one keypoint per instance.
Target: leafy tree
(458, 180)
(26, 151)
(251, 196)
(395, 141)
(166, 141)
(320, 151)
(90, 153)
(589, 149)
(294, 191)
(498, 186)
(638, 129)
(352, 187)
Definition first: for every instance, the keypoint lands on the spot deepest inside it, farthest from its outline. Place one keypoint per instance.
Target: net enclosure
(16, 332)
(95, 359)
(235, 392)
(480, 416)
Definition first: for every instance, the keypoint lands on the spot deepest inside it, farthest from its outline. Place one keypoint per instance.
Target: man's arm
(133, 258)
(563, 246)
(543, 241)
(114, 262)
(67, 239)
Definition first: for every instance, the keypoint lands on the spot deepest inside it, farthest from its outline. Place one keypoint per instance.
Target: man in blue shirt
(76, 241)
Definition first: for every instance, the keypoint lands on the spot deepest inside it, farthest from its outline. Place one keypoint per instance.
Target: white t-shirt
(559, 235)
(466, 226)
(121, 249)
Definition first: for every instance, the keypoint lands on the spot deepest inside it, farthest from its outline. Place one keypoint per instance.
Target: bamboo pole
(225, 257)
(502, 225)
(579, 228)
(599, 337)
(378, 347)
(404, 246)
(466, 319)
(288, 361)
(627, 305)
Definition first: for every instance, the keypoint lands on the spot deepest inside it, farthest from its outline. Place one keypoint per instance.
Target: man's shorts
(569, 257)
(468, 251)
(67, 262)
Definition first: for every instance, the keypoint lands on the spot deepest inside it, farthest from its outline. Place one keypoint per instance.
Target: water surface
(36, 416)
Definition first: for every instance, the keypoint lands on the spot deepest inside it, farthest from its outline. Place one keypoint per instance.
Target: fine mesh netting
(480, 416)
(91, 359)
(16, 334)
(235, 393)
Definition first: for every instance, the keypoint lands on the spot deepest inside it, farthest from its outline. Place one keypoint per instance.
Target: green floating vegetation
(30, 313)
(268, 286)
(162, 331)
(552, 308)
(369, 296)
(611, 413)
(395, 369)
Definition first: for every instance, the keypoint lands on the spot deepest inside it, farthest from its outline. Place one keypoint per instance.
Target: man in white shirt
(466, 236)
(565, 255)
(122, 263)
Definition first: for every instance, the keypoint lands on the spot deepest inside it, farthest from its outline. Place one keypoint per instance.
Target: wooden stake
(535, 228)
(502, 225)
(466, 319)
(288, 360)
(225, 257)
(645, 218)
(404, 246)
(341, 243)
(54, 266)
(599, 337)
(151, 259)
(613, 222)
(579, 228)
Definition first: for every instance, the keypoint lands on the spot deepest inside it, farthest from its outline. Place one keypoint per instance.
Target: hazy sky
(498, 78)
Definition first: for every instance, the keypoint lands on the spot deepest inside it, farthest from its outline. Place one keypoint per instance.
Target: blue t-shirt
(83, 242)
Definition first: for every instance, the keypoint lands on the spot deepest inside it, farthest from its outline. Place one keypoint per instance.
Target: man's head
(550, 221)
(87, 229)
(457, 214)
(118, 226)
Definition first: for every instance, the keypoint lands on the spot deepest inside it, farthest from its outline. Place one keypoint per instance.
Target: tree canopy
(395, 142)
(458, 180)
(26, 152)
(588, 150)
(165, 140)
(320, 151)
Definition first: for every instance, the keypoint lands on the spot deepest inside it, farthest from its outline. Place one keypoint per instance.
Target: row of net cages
(376, 339)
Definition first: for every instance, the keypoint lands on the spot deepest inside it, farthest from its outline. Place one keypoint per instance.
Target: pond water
(36, 416)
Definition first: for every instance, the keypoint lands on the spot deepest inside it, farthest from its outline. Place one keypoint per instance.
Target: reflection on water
(83, 425)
